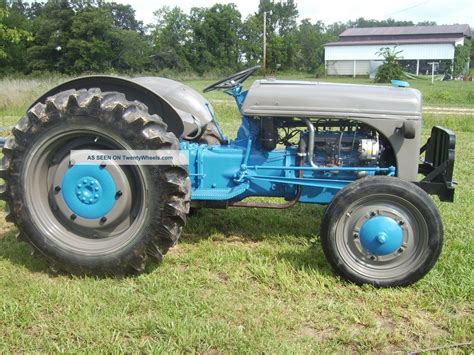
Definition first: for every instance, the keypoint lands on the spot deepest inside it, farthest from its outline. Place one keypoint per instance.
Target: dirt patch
(176, 250)
(223, 276)
(384, 322)
(309, 331)
(5, 227)
(425, 320)
(234, 239)
(449, 110)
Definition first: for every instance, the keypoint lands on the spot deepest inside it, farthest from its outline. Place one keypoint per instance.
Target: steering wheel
(233, 80)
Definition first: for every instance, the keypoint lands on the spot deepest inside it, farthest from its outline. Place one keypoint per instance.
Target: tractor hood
(282, 98)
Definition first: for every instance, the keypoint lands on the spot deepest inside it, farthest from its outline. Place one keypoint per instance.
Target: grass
(243, 280)
(17, 94)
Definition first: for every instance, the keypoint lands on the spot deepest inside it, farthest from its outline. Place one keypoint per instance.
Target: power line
(411, 7)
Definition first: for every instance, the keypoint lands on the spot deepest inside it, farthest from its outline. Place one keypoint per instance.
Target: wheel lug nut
(73, 216)
(401, 223)
(372, 257)
(96, 196)
(118, 194)
(102, 165)
(57, 188)
(356, 235)
(103, 220)
(400, 250)
(372, 214)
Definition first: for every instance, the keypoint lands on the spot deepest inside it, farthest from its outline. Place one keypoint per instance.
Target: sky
(440, 11)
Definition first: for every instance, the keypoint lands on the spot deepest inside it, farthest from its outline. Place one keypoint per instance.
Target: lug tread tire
(211, 135)
(142, 131)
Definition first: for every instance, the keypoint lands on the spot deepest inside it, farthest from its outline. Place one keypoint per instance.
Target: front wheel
(382, 231)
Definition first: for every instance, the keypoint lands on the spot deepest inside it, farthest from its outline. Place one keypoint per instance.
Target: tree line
(80, 36)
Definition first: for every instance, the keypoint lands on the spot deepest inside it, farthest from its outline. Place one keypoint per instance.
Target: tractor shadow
(299, 224)
(253, 224)
(19, 253)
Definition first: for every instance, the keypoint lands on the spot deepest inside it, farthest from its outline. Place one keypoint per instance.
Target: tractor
(355, 148)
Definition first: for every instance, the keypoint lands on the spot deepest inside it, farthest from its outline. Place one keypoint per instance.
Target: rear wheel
(91, 218)
(211, 135)
(382, 231)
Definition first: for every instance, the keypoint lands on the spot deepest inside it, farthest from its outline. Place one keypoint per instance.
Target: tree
(426, 23)
(251, 38)
(310, 40)
(171, 39)
(461, 58)
(9, 35)
(281, 31)
(90, 46)
(390, 69)
(52, 24)
(72, 36)
(123, 16)
(472, 54)
(287, 13)
(132, 52)
(14, 59)
(390, 22)
(215, 39)
(336, 28)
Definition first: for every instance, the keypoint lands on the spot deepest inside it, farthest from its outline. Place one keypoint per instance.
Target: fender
(132, 91)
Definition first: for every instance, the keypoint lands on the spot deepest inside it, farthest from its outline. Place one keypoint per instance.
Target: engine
(336, 142)
(349, 149)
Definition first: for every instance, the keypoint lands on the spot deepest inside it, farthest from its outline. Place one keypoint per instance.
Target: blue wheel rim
(381, 235)
(89, 190)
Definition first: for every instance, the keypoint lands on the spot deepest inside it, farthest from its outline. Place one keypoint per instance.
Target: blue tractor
(355, 148)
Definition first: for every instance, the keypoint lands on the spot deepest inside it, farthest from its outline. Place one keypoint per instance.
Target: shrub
(390, 69)
(461, 58)
(320, 71)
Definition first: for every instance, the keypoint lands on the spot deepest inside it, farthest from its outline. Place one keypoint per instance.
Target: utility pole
(432, 71)
(264, 64)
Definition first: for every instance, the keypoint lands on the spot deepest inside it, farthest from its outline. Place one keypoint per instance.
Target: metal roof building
(356, 51)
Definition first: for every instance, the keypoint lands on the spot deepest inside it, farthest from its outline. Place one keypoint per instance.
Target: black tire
(211, 135)
(411, 209)
(193, 212)
(150, 220)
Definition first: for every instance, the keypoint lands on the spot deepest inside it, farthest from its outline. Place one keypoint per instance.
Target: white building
(356, 51)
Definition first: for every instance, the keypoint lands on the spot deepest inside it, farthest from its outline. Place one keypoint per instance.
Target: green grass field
(244, 280)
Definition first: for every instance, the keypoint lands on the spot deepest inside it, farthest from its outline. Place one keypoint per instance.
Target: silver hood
(281, 98)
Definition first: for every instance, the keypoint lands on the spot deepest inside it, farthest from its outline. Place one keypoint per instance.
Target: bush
(320, 71)
(390, 69)
(461, 58)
